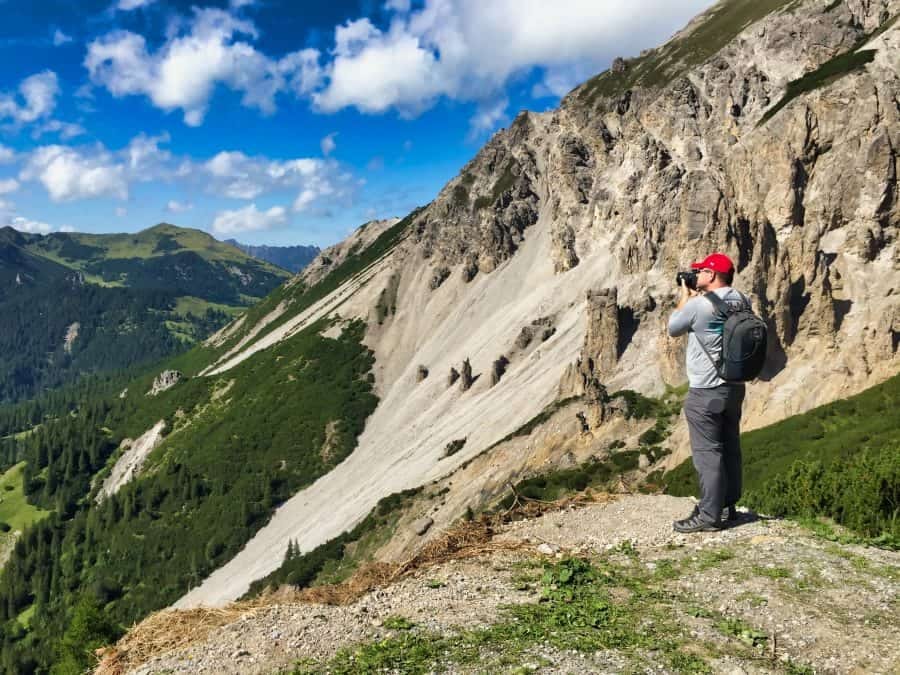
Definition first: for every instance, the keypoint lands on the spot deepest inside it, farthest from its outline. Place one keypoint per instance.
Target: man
(712, 406)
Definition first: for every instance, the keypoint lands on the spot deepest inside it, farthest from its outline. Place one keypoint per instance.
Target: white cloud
(249, 219)
(145, 159)
(239, 176)
(23, 224)
(68, 173)
(129, 5)
(197, 56)
(7, 155)
(401, 6)
(60, 38)
(327, 144)
(66, 228)
(8, 185)
(470, 50)
(66, 130)
(174, 206)
(121, 211)
(487, 116)
(38, 93)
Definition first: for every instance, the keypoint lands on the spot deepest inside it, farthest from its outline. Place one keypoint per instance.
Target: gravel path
(834, 607)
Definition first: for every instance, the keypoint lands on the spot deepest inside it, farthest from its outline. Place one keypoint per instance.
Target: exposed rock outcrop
(165, 381)
(498, 368)
(466, 378)
(422, 373)
(130, 463)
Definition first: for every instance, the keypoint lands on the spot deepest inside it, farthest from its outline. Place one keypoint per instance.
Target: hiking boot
(730, 514)
(695, 523)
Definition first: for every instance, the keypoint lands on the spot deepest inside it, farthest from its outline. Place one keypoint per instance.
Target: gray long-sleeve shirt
(698, 318)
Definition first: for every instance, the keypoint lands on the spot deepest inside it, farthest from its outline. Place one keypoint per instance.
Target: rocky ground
(762, 596)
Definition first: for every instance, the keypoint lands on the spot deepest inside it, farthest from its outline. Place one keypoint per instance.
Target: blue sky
(276, 121)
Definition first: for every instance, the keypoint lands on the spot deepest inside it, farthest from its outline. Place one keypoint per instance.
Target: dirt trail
(823, 605)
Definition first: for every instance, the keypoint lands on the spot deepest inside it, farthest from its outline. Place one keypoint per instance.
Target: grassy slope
(299, 297)
(14, 509)
(79, 251)
(660, 66)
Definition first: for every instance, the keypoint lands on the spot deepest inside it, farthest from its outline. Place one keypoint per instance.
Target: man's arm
(683, 317)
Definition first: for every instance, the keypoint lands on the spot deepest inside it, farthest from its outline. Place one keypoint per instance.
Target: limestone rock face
(658, 173)
(164, 381)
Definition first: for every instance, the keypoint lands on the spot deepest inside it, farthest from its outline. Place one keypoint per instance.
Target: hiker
(713, 406)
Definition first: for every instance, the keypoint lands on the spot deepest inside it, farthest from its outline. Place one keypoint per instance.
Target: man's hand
(684, 294)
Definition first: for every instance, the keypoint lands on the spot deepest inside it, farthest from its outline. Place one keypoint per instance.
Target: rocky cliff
(767, 130)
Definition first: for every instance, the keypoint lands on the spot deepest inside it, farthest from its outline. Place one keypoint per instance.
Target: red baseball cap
(717, 262)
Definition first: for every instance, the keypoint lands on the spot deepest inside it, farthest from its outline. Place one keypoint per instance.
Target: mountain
(291, 258)
(511, 332)
(80, 303)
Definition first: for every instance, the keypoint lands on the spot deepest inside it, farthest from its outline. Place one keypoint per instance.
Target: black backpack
(744, 342)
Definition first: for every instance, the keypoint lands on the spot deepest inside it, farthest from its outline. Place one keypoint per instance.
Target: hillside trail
(765, 595)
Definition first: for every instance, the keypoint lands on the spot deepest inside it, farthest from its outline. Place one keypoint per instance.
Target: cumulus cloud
(23, 224)
(327, 144)
(239, 176)
(209, 50)
(129, 5)
(68, 174)
(174, 206)
(66, 130)
(8, 185)
(249, 219)
(60, 38)
(470, 50)
(487, 116)
(38, 98)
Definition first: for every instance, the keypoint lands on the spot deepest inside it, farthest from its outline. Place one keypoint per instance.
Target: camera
(690, 279)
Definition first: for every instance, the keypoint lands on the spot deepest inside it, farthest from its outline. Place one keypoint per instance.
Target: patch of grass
(576, 612)
(772, 572)
(829, 72)
(713, 558)
(15, 510)
(555, 484)
(398, 623)
(742, 631)
(753, 599)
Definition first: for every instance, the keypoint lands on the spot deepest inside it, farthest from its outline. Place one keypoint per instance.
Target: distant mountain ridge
(77, 303)
(291, 258)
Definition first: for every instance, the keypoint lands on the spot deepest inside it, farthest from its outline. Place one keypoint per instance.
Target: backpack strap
(725, 309)
(721, 306)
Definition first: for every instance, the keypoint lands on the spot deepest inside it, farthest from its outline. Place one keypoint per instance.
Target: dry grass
(168, 630)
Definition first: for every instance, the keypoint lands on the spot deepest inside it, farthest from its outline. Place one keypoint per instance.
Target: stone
(466, 378)
(441, 274)
(422, 525)
(498, 369)
(421, 373)
(452, 377)
(165, 381)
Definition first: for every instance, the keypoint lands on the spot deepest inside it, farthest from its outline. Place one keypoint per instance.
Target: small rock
(422, 525)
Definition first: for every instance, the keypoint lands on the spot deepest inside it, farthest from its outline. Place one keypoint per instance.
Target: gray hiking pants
(714, 421)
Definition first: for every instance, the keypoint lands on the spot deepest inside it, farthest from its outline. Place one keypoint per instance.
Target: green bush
(861, 492)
